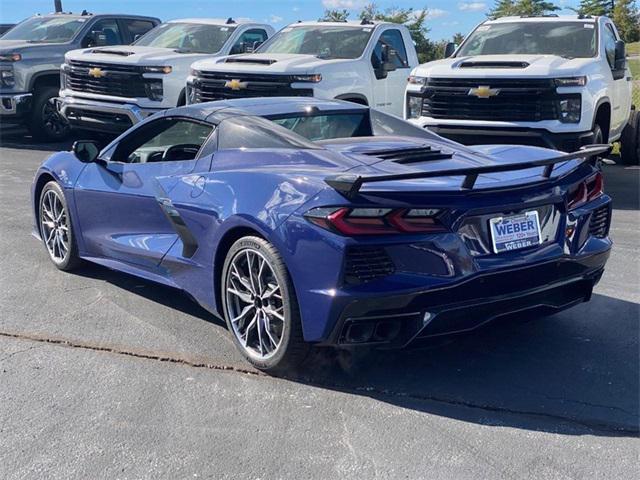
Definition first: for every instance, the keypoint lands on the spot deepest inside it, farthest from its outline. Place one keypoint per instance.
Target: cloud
(348, 4)
(432, 13)
(296, 9)
(450, 24)
(472, 6)
(275, 19)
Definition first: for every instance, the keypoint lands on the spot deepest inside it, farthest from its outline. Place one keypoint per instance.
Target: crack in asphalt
(369, 390)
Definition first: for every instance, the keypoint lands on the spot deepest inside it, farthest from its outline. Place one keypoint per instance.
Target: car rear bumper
(15, 106)
(567, 142)
(398, 320)
(101, 116)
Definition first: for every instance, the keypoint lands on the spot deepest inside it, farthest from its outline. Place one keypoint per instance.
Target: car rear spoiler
(349, 184)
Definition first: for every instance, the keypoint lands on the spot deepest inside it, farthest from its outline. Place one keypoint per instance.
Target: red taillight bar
(586, 191)
(346, 221)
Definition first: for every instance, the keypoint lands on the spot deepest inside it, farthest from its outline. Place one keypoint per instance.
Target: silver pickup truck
(31, 54)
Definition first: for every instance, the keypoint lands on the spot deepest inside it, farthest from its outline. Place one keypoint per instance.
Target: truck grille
(367, 263)
(117, 80)
(600, 220)
(209, 87)
(528, 100)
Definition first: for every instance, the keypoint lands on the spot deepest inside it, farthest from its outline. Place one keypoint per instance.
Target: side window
(610, 46)
(137, 28)
(103, 32)
(163, 140)
(391, 40)
(248, 40)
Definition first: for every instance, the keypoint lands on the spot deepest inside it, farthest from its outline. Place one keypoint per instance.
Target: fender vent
(410, 155)
(494, 65)
(364, 264)
(600, 221)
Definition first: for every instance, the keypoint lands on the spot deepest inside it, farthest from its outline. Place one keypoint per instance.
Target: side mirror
(85, 150)
(449, 49)
(255, 46)
(136, 37)
(620, 60)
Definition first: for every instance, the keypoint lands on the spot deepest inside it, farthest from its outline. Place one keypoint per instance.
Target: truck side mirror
(256, 45)
(450, 49)
(621, 60)
(85, 150)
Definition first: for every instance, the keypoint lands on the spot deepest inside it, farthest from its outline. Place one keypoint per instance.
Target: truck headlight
(414, 106)
(154, 69)
(153, 88)
(7, 79)
(313, 78)
(191, 94)
(194, 73)
(571, 82)
(10, 57)
(416, 80)
(570, 109)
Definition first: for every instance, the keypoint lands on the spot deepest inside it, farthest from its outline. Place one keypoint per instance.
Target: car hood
(129, 54)
(23, 47)
(267, 63)
(490, 66)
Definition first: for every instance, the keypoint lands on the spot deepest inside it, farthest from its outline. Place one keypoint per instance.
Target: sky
(445, 17)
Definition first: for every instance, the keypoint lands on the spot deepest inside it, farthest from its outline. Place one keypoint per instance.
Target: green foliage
(458, 38)
(594, 7)
(334, 16)
(506, 8)
(627, 19)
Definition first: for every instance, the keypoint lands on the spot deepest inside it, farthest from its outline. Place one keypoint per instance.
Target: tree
(458, 38)
(334, 16)
(627, 20)
(505, 8)
(594, 7)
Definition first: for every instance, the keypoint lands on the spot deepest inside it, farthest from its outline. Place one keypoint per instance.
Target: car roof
(214, 21)
(94, 15)
(349, 23)
(215, 112)
(546, 18)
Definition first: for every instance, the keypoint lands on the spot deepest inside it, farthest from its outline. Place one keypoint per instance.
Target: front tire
(46, 123)
(56, 229)
(261, 308)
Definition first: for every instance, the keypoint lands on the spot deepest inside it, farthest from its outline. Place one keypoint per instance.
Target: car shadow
(576, 372)
(622, 184)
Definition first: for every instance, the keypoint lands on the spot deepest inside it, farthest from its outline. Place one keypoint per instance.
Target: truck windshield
(46, 29)
(565, 39)
(187, 37)
(324, 42)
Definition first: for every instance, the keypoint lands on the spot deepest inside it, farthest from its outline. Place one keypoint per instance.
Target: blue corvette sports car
(305, 221)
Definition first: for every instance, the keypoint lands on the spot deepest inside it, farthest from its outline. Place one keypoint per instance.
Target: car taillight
(376, 221)
(586, 191)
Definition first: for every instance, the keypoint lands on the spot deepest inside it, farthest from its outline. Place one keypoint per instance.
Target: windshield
(46, 29)
(321, 41)
(187, 37)
(565, 39)
(325, 127)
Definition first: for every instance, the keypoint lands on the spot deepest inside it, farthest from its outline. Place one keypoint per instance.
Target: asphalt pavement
(103, 375)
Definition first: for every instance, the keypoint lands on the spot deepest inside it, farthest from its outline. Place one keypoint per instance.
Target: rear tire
(598, 135)
(46, 124)
(261, 308)
(630, 141)
(56, 228)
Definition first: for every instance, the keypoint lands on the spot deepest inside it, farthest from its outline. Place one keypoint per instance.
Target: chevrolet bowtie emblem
(96, 72)
(235, 84)
(484, 92)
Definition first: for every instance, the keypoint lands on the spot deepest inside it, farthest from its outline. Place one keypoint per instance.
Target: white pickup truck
(363, 62)
(109, 89)
(555, 81)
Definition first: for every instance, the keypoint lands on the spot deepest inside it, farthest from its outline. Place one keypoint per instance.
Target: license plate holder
(514, 232)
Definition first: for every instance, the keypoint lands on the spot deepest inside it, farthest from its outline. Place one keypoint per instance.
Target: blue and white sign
(515, 231)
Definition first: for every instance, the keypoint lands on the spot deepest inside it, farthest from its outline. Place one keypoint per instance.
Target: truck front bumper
(567, 142)
(101, 116)
(15, 106)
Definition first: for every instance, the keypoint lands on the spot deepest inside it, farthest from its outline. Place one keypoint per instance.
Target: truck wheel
(598, 136)
(46, 124)
(630, 141)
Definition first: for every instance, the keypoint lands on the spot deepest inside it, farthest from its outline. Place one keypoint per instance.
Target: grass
(634, 65)
(633, 48)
